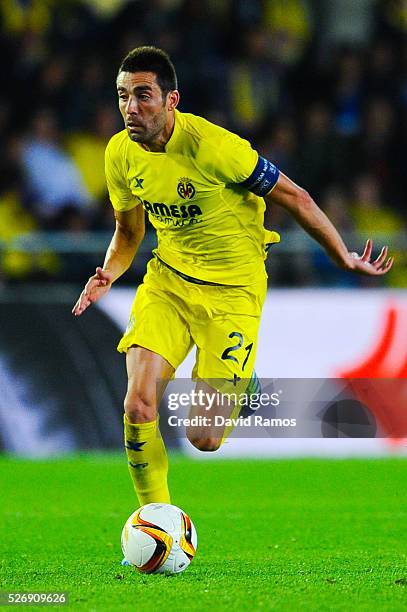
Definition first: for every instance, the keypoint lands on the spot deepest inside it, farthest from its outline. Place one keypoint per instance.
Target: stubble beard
(149, 136)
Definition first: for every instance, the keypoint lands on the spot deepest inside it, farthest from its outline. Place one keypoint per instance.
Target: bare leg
(147, 374)
(209, 437)
(146, 454)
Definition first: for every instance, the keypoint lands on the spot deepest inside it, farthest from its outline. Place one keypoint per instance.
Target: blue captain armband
(263, 178)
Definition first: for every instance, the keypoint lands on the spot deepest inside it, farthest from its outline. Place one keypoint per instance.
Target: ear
(172, 99)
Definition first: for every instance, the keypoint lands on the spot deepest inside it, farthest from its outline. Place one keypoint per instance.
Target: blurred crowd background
(318, 86)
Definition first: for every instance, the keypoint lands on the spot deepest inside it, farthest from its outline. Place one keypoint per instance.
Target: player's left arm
(302, 207)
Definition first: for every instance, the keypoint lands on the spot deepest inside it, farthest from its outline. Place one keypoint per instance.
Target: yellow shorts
(169, 315)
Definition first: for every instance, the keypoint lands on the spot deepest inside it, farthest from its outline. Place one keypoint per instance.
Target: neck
(157, 144)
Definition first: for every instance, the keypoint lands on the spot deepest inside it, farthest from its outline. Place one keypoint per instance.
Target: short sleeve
(120, 194)
(236, 159)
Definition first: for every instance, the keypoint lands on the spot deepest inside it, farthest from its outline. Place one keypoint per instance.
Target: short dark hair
(152, 59)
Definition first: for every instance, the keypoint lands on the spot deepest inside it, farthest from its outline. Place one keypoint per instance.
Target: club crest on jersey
(185, 188)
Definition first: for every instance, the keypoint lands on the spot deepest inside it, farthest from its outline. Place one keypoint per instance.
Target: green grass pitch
(273, 535)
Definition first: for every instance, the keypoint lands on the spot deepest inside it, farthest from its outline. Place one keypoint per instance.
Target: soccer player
(205, 191)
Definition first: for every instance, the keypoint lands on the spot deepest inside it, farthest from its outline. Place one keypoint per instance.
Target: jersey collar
(174, 138)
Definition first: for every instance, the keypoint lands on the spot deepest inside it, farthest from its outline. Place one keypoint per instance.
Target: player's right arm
(123, 247)
(129, 232)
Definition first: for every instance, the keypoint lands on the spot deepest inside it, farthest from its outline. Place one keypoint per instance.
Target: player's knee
(207, 444)
(138, 409)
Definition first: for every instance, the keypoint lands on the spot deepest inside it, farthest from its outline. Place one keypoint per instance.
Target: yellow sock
(147, 459)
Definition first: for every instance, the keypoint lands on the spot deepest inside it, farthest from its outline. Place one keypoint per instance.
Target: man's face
(142, 105)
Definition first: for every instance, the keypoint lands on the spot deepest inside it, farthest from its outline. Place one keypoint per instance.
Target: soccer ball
(159, 539)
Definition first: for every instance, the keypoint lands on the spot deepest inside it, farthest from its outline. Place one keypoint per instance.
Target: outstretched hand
(362, 264)
(97, 286)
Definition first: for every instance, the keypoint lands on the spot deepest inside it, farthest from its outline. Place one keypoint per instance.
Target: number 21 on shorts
(229, 352)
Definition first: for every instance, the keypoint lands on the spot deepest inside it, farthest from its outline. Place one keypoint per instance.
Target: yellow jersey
(208, 225)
